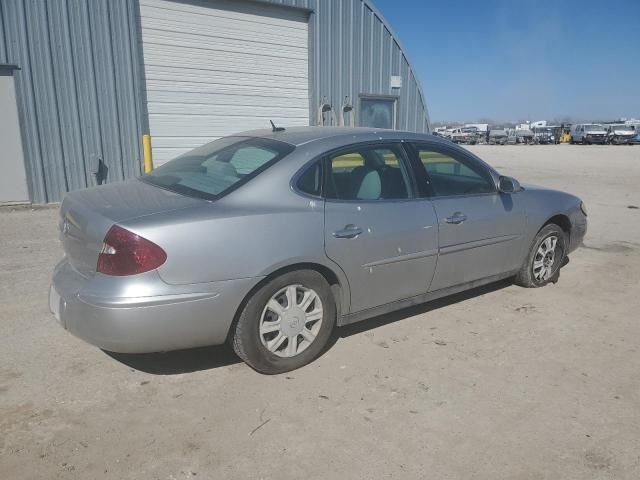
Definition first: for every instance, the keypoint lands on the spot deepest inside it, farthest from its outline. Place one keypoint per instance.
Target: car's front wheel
(545, 258)
(286, 323)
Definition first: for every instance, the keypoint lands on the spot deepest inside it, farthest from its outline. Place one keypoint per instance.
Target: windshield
(626, 128)
(592, 128)
(218, 167)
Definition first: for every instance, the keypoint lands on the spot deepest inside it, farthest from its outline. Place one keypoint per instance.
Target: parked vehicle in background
(270, 239)
(440, 132)
(556, 131)
(482, 130)
(465, 135)
(546, 135)
(473, 132)
(520, 136)
(620, 134)
(588, 133)
(498, 137)
(524, 136)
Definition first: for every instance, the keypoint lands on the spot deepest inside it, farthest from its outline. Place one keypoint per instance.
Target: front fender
(541, 205)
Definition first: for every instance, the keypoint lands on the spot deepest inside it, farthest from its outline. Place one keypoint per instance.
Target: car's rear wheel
(286, 323)
(546, 256)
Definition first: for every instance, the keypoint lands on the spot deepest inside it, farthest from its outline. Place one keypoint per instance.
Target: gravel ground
(497, 383)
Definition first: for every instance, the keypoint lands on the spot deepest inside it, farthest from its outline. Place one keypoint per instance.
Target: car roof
(302, 135)
(340, 136)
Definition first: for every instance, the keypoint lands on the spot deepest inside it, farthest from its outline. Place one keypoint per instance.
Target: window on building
(378, 112)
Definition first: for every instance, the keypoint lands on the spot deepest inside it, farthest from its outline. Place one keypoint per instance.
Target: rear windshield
(218, 167)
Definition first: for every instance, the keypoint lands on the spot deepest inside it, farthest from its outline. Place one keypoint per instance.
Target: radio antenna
(274, 128)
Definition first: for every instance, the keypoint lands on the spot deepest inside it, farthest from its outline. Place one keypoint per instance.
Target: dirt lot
(499, 383)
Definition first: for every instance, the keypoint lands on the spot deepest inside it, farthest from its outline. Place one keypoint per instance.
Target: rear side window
(451, 176)
(368, 173)
(310, 181)
(215, 168)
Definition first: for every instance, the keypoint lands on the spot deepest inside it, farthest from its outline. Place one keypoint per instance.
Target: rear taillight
(125, 253)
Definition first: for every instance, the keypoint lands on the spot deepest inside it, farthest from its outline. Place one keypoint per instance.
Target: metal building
(83, 80)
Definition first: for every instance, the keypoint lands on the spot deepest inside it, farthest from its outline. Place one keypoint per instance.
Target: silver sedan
(270, 239)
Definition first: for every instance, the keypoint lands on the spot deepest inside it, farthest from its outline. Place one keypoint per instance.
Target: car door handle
(349, 231)
(456, 219)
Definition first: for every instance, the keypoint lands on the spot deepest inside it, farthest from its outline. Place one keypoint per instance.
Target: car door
(380, 233)
(480, 230)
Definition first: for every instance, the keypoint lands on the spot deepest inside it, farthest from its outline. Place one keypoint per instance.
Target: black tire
(571, 141)
(246, 337)
(525, 277)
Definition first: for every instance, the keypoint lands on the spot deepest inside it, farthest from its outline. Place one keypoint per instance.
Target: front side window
(378, 112)
(449, 176)
(213, 169)
(368, 173)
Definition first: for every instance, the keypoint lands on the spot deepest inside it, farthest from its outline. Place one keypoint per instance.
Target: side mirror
(508, 185)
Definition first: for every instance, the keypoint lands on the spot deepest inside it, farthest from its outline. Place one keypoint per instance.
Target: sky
(510, 60)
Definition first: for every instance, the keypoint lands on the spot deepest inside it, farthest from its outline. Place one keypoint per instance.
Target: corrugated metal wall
(353, 51)
(78, 90)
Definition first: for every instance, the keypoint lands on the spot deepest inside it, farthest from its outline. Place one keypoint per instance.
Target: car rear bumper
(151, 323)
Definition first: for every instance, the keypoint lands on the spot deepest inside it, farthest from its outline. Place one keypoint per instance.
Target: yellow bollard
(146, 153)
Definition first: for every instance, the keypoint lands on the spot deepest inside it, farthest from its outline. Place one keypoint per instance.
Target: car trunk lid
(87, 215)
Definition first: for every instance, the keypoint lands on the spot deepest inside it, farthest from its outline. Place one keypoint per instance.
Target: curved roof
(348, 48)
(375, 10)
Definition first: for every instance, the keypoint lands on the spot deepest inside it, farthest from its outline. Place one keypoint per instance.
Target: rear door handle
(349, 231)
(456, 219)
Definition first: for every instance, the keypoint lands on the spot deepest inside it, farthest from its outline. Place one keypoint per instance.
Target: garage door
(218, 67)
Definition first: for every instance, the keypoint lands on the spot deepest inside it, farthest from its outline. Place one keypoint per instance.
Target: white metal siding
(217, 67)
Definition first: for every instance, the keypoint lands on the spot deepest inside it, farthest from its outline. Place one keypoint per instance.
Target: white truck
(588, 133)
(467, 135)
(620, 134)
